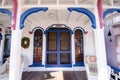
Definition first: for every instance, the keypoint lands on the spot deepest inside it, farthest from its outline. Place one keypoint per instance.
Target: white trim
(14, 69)
(107, 7)
(34, 29)
(57, 6)
(76, 2)
(100, 54)
(6, 7)
(44, 49)
(31, 50)
(58, 2)
(100, 49)
(112, 3)
(56, 69)
(39, 2)
(73, 49)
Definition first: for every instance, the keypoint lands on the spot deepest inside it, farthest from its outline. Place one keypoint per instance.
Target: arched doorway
(58, 47)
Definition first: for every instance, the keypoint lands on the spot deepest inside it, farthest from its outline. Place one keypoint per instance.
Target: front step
(54, 75)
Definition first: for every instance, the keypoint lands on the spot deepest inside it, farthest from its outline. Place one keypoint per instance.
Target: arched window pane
(38, 45)
(78, 46)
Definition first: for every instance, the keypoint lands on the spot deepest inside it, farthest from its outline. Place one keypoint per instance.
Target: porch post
(73, 49)
(101, 54)
(2, 45)
(100, 49)
(14, 72)
(14, 69)
(44, 50)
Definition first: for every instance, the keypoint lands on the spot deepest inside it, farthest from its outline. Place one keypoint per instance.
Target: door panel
(64, 48)
(64, 41)
(52, 48)
(65, 58)
(52, 41)
(52, 58)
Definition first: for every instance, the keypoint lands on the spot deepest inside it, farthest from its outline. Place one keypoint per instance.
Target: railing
(60, 2)
(115, 73)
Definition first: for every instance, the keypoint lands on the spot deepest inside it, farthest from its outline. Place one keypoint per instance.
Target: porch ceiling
(4, 20)
(58, 16)
(55, 16)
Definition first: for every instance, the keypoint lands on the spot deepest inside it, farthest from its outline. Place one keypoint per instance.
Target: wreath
(25, 42)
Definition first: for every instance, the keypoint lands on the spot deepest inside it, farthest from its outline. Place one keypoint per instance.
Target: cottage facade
(60, 34)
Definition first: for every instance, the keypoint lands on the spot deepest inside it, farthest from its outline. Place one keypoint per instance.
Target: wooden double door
(58, 51)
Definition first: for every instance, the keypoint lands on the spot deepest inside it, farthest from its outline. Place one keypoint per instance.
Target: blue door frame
(58, 51)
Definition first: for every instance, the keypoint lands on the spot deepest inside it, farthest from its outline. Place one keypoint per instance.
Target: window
(78, 46)
(38, 45)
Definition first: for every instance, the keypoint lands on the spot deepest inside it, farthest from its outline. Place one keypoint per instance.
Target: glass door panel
(52, 41)
(51, 58)
(64, 41)
(52, 48)
(64, 48)
(65, 58)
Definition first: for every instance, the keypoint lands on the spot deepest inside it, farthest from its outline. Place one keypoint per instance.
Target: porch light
(109, 35)
(0, 30)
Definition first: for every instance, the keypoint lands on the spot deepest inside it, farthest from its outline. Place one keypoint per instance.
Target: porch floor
(54, 75)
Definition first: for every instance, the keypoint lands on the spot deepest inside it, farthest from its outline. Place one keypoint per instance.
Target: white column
(73, 49)
(101, 54)
(2, 44)
(44, 49)
(14, 72)
(100, 49)
(29, 58)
